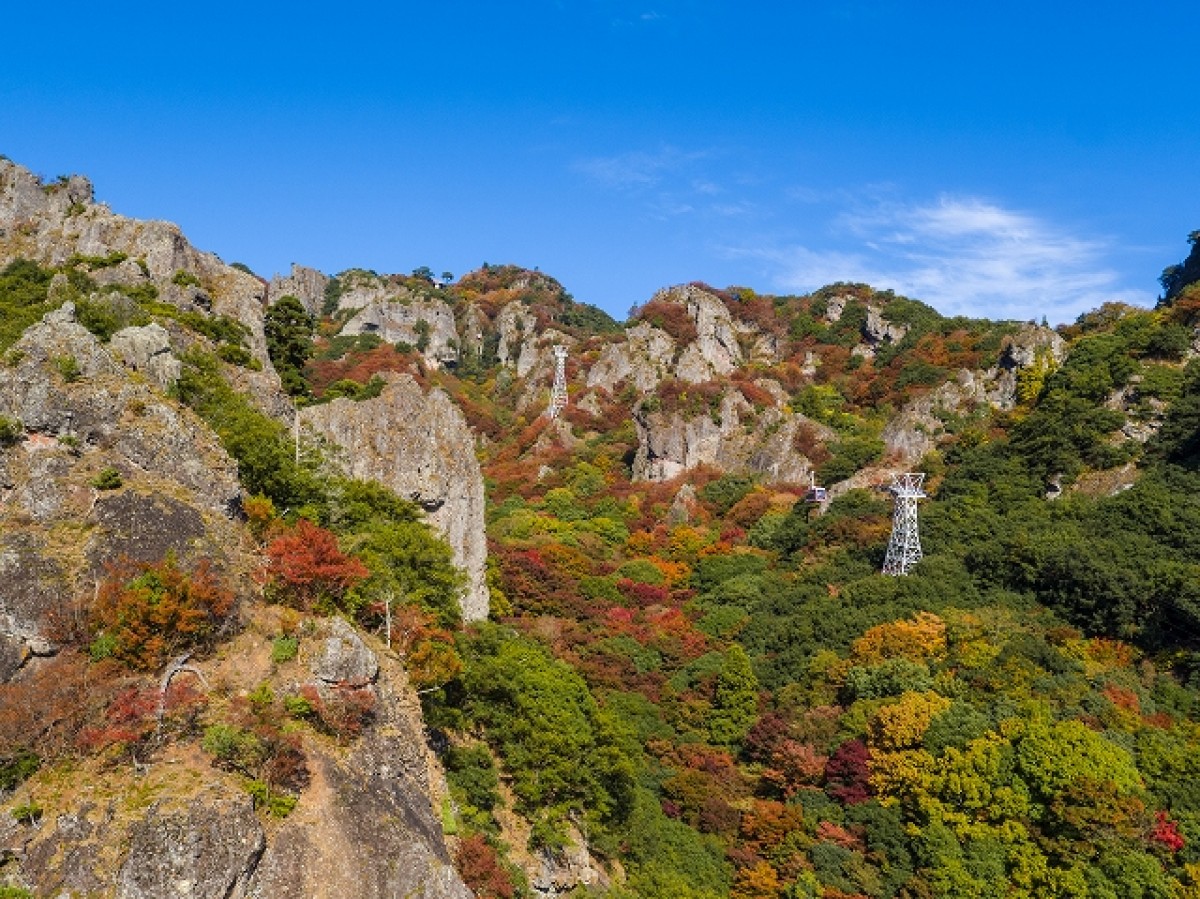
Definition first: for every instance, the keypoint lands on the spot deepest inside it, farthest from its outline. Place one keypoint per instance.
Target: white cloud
(962, 255)
(636, 169)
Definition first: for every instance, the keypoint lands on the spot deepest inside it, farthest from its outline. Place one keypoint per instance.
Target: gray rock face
(916, 429)
(148, 350)
(145, 527)
(203, 852)
(1024, 350)
(305, 284)
(65, 858)
(562, 876)
(31, 584)
(67, 387)
(879, 330)
(420, 446)
(643, 359)
(84, 413)
(474, 323)
(377, 840)
(647, 355)
(735, 439)
(345, 658)
(418, 322)
(514, 324)
(368, 831)
(715, 351)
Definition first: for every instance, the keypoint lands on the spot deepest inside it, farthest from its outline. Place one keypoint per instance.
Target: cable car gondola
(815, 494)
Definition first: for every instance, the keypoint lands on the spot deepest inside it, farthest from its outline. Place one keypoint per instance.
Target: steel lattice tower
(558, 393)
(904, 549)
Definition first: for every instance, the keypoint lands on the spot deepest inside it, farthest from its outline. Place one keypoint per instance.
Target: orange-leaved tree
(145, 613)
(307, 569)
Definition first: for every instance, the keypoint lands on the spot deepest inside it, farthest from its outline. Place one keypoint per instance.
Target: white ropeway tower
(904, 549)
(558, 393)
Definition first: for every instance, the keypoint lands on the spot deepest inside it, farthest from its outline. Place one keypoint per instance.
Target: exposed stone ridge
(67, 389)
(49, 223)
(648, 355)
(305, 284)
(515, 325)
(420, 446)
(643, 359)
(733, 438)
(916, 429)
(400, 321)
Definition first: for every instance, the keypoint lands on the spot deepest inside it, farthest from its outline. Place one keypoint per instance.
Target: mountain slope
(693, 682)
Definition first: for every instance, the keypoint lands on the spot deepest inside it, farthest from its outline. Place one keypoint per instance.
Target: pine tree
(735, 706)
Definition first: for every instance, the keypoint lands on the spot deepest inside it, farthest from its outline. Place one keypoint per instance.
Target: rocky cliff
(97, 464)
(363, 826)
(54, 222)
(419, 445)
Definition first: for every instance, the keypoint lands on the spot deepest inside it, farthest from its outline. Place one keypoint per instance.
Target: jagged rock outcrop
(70, 394)
(563, 874)
(515, 325)
(397, 314)
(425, 324)
(648, 355)
(734, 437)
(148, 350)
(642, 359)
(1030, 346)
(365, 828)
(50, 223)
(345, 658)
(835, 306)
(420, 446)
(683, 506)
(305, 284)
(879, 330)
(472, 330)
(715, 351)
(82, 413)
(917, 428)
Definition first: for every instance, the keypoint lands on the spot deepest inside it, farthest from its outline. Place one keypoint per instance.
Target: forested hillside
(692, 680)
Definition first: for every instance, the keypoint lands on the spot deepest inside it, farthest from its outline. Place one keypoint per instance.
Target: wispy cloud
(963, 255)
(637, 169)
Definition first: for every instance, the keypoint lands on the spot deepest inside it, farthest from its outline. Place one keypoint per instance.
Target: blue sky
(1011, 160)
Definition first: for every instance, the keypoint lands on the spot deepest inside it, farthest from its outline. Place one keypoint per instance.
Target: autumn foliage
(308, 570)
(480, 868)
(146, 613)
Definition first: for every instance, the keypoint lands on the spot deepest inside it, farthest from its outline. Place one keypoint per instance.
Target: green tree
(289, 331)
(735, 706)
